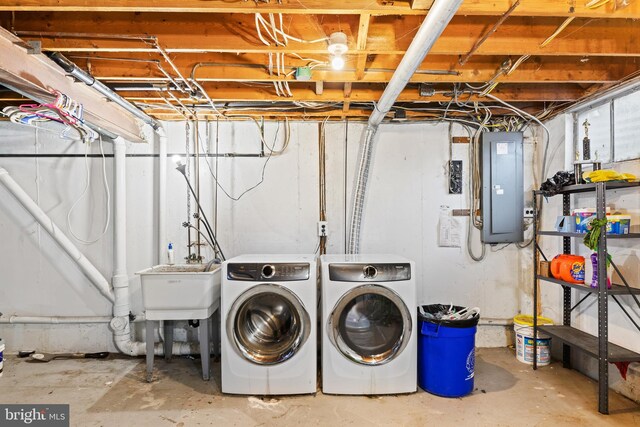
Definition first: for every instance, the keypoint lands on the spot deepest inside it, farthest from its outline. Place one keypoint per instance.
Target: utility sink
(180, 292)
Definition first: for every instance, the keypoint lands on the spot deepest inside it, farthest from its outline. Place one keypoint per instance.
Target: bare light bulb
(337, 62)
(177, 160)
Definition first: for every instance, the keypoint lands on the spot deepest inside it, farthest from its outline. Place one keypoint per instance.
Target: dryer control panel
(369, 272)
(276, 272)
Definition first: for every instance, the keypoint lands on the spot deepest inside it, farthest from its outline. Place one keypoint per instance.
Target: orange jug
(569, 268)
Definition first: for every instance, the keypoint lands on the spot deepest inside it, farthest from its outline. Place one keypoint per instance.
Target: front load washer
(369, 324)
(268, 329)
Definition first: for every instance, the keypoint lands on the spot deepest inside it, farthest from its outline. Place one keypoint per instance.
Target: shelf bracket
(626, 284)
(626, 312)
(581, 301)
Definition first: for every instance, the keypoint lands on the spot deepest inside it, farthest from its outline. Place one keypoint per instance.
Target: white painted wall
(407, 188)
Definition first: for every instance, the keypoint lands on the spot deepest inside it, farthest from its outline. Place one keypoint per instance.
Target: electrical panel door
(502, 187)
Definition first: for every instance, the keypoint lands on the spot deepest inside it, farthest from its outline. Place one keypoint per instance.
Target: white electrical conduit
(120, 323)
(286, 36)
(432, 27)
(47, 224)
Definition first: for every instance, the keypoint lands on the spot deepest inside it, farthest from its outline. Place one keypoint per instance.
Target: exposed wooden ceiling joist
(385, 35)
(117, 41)
(358, 115)
(362, 92)
(379, 68)
(469, 7)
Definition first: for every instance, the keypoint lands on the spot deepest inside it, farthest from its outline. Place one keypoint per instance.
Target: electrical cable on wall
(84, 193)
(480, 117)
(272, 152)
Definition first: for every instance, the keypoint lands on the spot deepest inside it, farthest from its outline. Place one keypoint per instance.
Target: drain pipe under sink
(121, 323)
(432, 27)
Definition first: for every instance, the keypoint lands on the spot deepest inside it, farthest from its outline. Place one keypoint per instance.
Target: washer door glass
(268, 324)
(370, 325)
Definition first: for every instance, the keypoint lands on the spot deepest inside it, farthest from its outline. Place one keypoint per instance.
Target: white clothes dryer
(268, 328)
(369, 329)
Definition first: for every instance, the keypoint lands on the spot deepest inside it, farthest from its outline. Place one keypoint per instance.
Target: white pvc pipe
(57, 320)
(162, 194)
(48, 225)
(120, 323)
(432, 27)
(120, 280)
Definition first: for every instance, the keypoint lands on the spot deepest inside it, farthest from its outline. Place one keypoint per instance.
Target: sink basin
(180, 292)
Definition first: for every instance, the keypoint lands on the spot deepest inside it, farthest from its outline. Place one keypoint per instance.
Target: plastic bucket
(446, 355)
(523, 328)
(1, 356)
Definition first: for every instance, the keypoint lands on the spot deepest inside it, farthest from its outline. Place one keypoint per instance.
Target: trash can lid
(445, 315)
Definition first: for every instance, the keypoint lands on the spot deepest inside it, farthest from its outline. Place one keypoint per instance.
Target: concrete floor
(113, 392)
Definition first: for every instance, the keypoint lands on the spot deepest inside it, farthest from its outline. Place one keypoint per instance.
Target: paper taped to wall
(449, 229)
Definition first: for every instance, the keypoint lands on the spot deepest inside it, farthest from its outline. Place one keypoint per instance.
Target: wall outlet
(528, 212)
(323, 231)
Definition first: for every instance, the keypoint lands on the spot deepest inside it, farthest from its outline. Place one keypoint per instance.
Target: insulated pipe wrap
(432, 27)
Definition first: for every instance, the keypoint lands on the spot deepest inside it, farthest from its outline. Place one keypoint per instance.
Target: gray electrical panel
(502, 187)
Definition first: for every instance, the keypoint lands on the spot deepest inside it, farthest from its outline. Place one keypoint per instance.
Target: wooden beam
(347, 89)
(35, 75)
(362, 92)
(359, 114)
(197, 33)
(465, 58)
(563, 8)
(361, 45)
(516, 36)
(122, 67)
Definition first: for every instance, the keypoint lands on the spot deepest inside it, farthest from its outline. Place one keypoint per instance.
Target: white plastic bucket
(523, 328)
(1, 356)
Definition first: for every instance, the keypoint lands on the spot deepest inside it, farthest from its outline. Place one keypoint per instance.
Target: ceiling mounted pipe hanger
(432, 27)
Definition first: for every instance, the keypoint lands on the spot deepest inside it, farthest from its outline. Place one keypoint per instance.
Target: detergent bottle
(594, 279)
(568, 268)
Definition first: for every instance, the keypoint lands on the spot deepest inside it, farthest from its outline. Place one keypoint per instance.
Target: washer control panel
(276, 272)
(369, 272)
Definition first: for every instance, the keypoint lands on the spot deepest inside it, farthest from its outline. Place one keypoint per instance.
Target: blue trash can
(446, 352)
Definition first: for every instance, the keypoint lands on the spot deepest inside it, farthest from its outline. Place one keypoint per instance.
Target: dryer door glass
(269, 324)
(371, 325)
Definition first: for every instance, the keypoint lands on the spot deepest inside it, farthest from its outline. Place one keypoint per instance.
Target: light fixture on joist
(337, 49)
